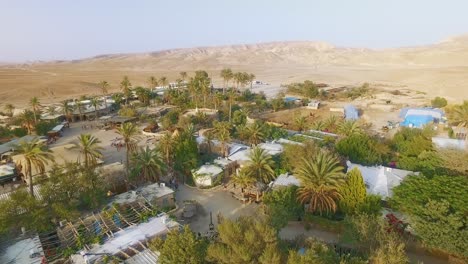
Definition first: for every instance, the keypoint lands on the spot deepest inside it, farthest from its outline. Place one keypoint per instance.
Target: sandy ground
(438, 69)
(215, 201)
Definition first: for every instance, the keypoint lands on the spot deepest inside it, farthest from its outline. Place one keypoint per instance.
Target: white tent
(381, 180)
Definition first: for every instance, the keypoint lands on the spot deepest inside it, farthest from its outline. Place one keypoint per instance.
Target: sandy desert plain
(435, 70)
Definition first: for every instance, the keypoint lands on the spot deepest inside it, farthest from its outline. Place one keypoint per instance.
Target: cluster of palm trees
(239, 78)
(321, 177)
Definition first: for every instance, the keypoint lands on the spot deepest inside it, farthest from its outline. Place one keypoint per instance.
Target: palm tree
(331, 123)
(163, 81)
(348, 128)
(80, 106)
(35, 154)
(67, 109)
(51, 110)
(166, 146)
(9, 108)
(227, 75)
(459, 115)
(222, 132)
(243, 180)
(255, 133)
(129, 132)
(104, 89)
(90, 149)
(231, 98)
(95, 103)
(117, 97)
(260, 166)
(318, 125)
(209, 136)
(321, 178)
(205, 89)
(300, 123)
(126, 86)
(183, 75)
(251, 79)
(35, 104)
(148, 164)
(153, 82)
(238, 78)
(27, 120)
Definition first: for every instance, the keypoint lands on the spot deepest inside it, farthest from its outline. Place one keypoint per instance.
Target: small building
(271, 148)
(126, 244)
(28, 250)
(419, 117)
(158, 194)
(285, 180)
(351, 112)
(381, 180)
(313, 105)
(207, 175)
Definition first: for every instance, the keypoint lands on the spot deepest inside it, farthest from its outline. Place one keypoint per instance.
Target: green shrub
(439, 102)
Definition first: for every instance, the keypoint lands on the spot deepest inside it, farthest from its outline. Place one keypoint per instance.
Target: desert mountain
(438, 69)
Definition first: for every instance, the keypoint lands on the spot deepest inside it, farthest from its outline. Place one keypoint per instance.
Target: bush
(42, 127)
(439, 102)
(363, 149)
(20, 132)
(437, 209)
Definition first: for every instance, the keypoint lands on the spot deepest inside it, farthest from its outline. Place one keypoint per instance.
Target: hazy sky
(69, 29)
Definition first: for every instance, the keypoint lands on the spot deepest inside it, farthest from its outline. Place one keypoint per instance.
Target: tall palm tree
(67, 109)
(126, 87)
(222, 132)
(459, 115)
(129, 132)
(89, 149)
(255, 133)
(153, 82)
(260, 165)
(231, 98)
(27, 120)
(205, 88)
(163, 81)
(35, 155)
(251, 79)
(238, 78)
(227, 75)
(321, 178)
(35, 104)
(166, 146)
(209, 136)
(95, 103)
(104, 90)
(9, 108)
(80, 107)
(148, 164)
(183, 75)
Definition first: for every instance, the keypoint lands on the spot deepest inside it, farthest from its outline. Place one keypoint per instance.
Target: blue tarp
(351, 112)
(417, 120)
